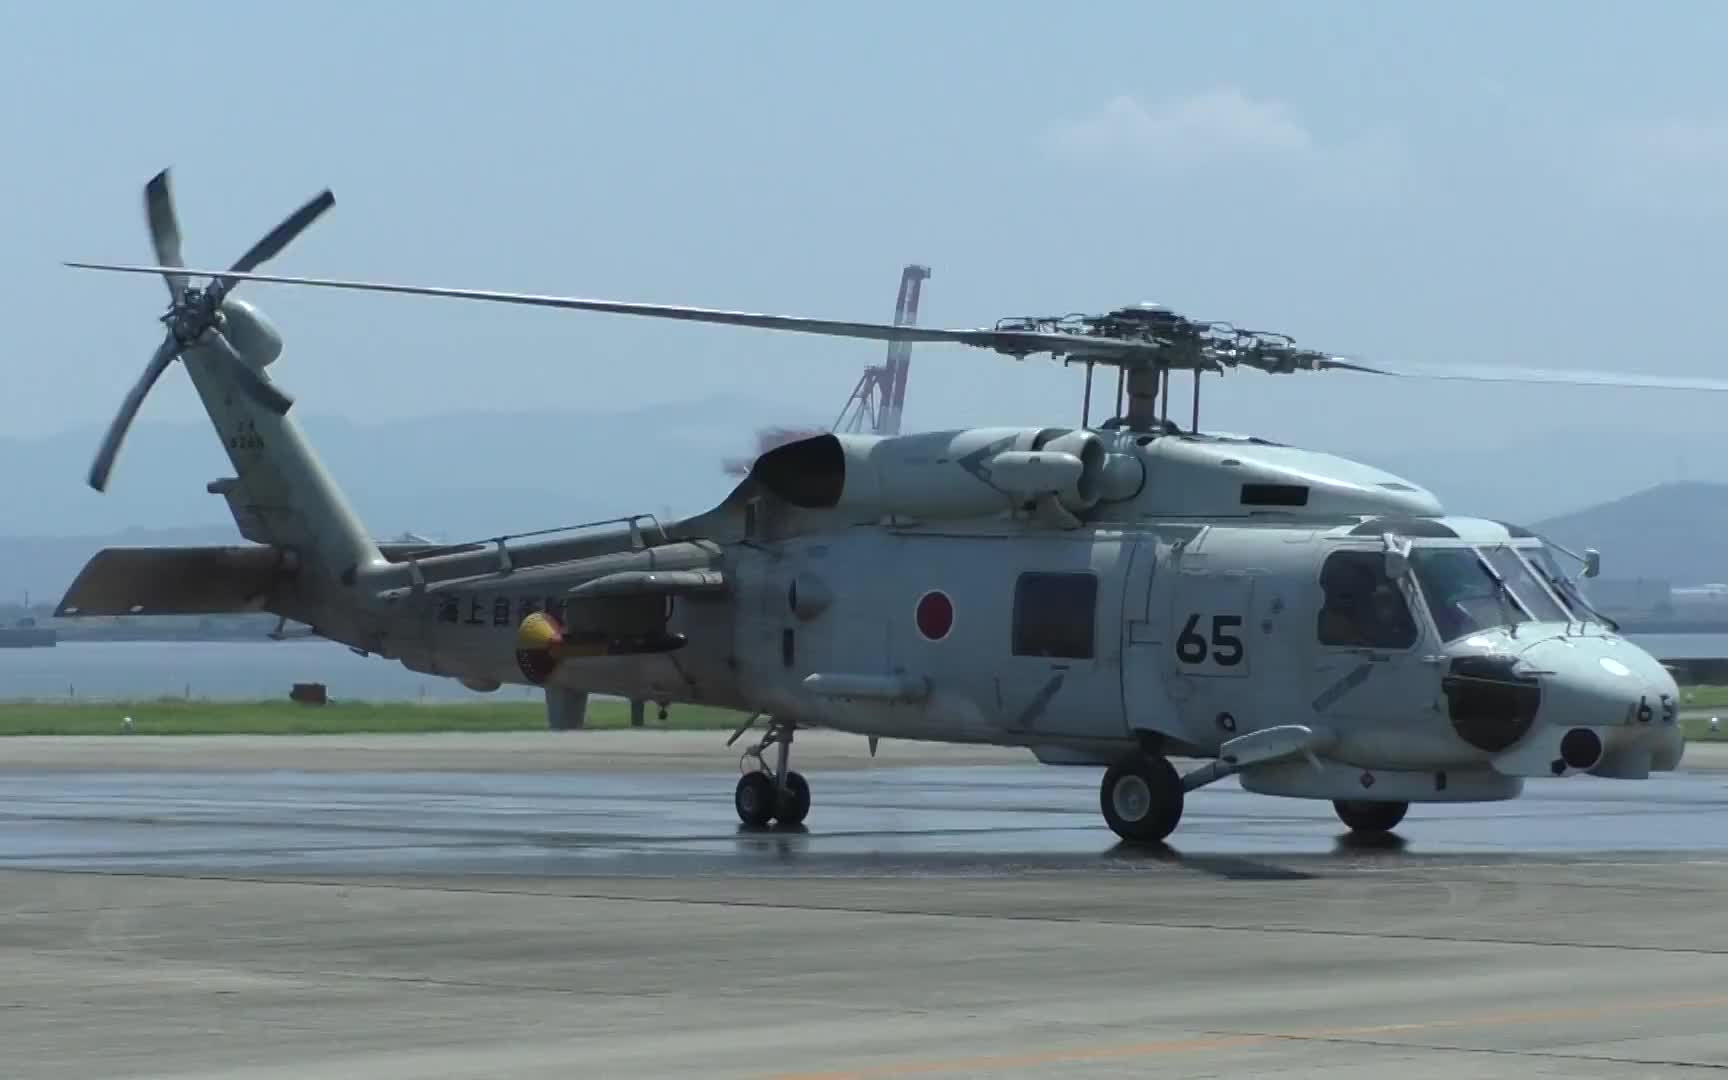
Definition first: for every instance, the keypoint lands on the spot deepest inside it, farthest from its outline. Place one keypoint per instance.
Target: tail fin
(281, 498)
(280, 494)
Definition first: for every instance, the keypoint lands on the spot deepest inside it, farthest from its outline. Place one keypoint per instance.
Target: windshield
(1527, 589)
(1468, 589)
(1542, 559)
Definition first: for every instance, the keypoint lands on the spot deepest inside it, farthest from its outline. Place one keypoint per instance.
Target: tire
(754, 799)
(1363, 816)
(1142, 800)
(795, 804)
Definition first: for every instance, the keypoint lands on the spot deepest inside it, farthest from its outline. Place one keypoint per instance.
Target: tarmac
(585, 904)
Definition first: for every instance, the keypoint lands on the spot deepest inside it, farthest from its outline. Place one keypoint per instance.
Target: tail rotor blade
(164, 229)
(278, 238)
(256, 386)
(104, 463)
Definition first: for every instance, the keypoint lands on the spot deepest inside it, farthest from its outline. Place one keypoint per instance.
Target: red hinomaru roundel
(934, 615)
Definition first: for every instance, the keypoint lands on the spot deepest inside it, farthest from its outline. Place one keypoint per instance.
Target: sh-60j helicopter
(1115, 596)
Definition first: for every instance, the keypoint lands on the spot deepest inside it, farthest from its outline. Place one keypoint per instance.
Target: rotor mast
(1153, 342)
(1141, 385)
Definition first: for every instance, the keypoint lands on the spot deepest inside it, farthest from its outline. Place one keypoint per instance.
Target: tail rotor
(195, 316)
(165, 231)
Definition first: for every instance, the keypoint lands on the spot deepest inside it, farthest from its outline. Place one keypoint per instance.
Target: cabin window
(1054, 615)
(1363, 608)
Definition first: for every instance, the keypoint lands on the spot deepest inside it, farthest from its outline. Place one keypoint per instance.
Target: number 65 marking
(1225, 649)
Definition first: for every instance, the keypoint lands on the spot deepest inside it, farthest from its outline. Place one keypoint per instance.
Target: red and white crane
(879, 398)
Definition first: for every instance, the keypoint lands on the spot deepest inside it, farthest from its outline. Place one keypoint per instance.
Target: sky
(1539, 183)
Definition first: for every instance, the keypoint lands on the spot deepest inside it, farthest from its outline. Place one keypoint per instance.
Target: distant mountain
(1672, 532)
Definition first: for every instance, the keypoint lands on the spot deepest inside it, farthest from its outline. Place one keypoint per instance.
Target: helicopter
(1123, 597)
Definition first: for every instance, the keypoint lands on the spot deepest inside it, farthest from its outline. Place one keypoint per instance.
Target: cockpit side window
(1362, 607)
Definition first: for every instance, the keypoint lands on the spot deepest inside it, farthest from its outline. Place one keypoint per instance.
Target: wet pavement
(974, 821)
(510, 908)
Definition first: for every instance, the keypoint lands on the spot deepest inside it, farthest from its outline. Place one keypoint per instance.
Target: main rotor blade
(255, 385)
(1553, 376)
(164, 230)
(1012, 342)
(276, 239)
(1337, 363)
(110, 449)
(1008, 341)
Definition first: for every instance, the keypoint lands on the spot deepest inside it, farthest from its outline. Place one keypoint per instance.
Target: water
(250, 671)
(220, 671)
(1683, 646)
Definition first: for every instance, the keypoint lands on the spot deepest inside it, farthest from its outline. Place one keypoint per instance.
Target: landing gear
(1142, 800)
(795, 802)
(776, 794)
(759, 801)
(1362, 816)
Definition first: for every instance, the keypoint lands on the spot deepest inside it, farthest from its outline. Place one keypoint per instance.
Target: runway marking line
(1222, 1040)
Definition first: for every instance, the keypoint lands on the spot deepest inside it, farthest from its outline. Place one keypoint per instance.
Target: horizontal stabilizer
(175, 581)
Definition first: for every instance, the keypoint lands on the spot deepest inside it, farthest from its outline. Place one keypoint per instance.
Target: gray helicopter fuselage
(1117, 597)
(1267, 603)
(1090, 595)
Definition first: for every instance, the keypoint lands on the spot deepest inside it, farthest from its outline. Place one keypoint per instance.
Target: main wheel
(1142, 800)
(1363, 816)
(755, 798)
(795, 804)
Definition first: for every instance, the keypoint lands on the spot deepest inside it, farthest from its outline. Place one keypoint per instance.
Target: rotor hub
(191, 315)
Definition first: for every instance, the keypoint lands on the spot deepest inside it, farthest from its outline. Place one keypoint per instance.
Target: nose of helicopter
(1567, 702)
(1596, 681)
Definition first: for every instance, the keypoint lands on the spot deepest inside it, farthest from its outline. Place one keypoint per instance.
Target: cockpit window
(1461, 596)
(1470, 589)
(1542, 559)
(1525, 587)
(1363, 608)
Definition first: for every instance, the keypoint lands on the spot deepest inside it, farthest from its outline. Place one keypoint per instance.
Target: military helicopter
(1121, 597)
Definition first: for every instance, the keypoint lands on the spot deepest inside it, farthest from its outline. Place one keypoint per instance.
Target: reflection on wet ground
(991, 821)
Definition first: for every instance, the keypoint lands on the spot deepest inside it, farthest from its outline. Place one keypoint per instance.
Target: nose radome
(1605, 707)
(1564, 704)
(1601, 681)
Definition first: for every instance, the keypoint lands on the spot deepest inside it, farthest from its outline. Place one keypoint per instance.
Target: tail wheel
(1142, 800)
(1363, 816)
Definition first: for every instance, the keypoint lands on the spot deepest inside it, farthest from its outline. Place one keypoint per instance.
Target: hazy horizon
(1404, 184)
